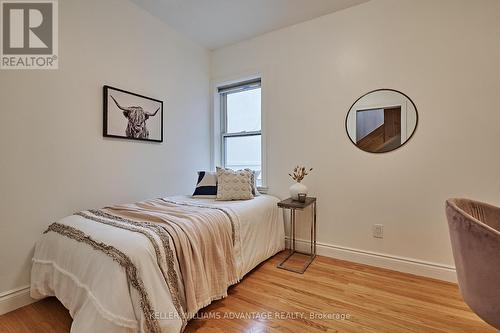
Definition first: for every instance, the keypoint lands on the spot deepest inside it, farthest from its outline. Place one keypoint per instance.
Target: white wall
(365, 123)
(444, 55)
(53, 158)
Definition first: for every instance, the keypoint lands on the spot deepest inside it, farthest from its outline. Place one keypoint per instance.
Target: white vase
(297, 188)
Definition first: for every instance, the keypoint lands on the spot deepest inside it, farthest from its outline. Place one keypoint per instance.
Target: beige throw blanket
(203, 240)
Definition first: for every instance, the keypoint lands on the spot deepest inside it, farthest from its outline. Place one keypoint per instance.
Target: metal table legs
(312, 253)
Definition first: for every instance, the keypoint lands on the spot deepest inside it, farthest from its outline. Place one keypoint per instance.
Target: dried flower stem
(299, 172)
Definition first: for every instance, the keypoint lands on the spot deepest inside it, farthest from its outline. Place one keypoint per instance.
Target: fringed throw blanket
(203, 242)
(198, 240)
(122, 259)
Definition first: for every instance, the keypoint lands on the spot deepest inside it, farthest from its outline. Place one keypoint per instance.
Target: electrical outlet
(378, 230)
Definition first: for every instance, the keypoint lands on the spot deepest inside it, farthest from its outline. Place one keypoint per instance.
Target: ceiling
(217, 23)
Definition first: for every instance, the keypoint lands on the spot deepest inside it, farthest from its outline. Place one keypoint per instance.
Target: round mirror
(381, 120)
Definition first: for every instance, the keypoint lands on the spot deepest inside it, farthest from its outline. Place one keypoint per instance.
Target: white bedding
(95, 288)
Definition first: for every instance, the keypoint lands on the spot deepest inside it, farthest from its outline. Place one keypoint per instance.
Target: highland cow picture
(132, 116)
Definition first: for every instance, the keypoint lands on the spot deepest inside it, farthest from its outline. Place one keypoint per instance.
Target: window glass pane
(243, 111)
(243, 152)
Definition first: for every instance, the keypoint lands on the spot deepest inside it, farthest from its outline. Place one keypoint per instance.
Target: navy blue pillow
(206, 187)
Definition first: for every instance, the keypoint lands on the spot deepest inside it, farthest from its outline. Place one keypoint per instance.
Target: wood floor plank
(377, 301)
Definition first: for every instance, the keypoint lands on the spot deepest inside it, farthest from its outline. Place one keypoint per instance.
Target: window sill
(262, 189)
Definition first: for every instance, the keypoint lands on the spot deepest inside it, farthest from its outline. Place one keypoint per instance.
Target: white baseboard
(396, 263)
(15, 299)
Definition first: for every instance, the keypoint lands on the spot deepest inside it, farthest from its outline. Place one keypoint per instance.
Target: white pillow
(255, 175)
(234, 185)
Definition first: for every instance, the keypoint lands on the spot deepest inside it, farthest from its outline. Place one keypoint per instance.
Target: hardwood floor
(370, 298)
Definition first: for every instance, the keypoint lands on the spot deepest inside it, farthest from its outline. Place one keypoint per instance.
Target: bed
(150, 266)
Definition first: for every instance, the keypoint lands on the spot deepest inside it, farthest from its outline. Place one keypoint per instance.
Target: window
(241, 126)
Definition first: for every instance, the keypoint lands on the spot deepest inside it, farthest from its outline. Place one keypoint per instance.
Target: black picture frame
(146, 116)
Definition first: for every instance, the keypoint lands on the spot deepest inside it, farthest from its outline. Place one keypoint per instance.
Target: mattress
(96, 289)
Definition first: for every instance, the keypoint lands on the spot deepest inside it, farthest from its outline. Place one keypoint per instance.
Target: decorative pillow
(206, 187)
(255, 175)
(234, 185)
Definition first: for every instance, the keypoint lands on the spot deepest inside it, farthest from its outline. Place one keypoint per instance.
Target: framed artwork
(132, 116)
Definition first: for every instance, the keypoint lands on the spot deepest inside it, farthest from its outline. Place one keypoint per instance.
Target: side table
(294, 205)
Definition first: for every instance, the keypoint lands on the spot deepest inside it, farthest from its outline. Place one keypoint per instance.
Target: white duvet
(95, 289)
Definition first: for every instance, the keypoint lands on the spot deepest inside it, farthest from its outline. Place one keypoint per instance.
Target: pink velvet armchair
(475, 240)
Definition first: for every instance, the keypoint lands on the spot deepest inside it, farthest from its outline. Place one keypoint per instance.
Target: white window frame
(221, 95)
